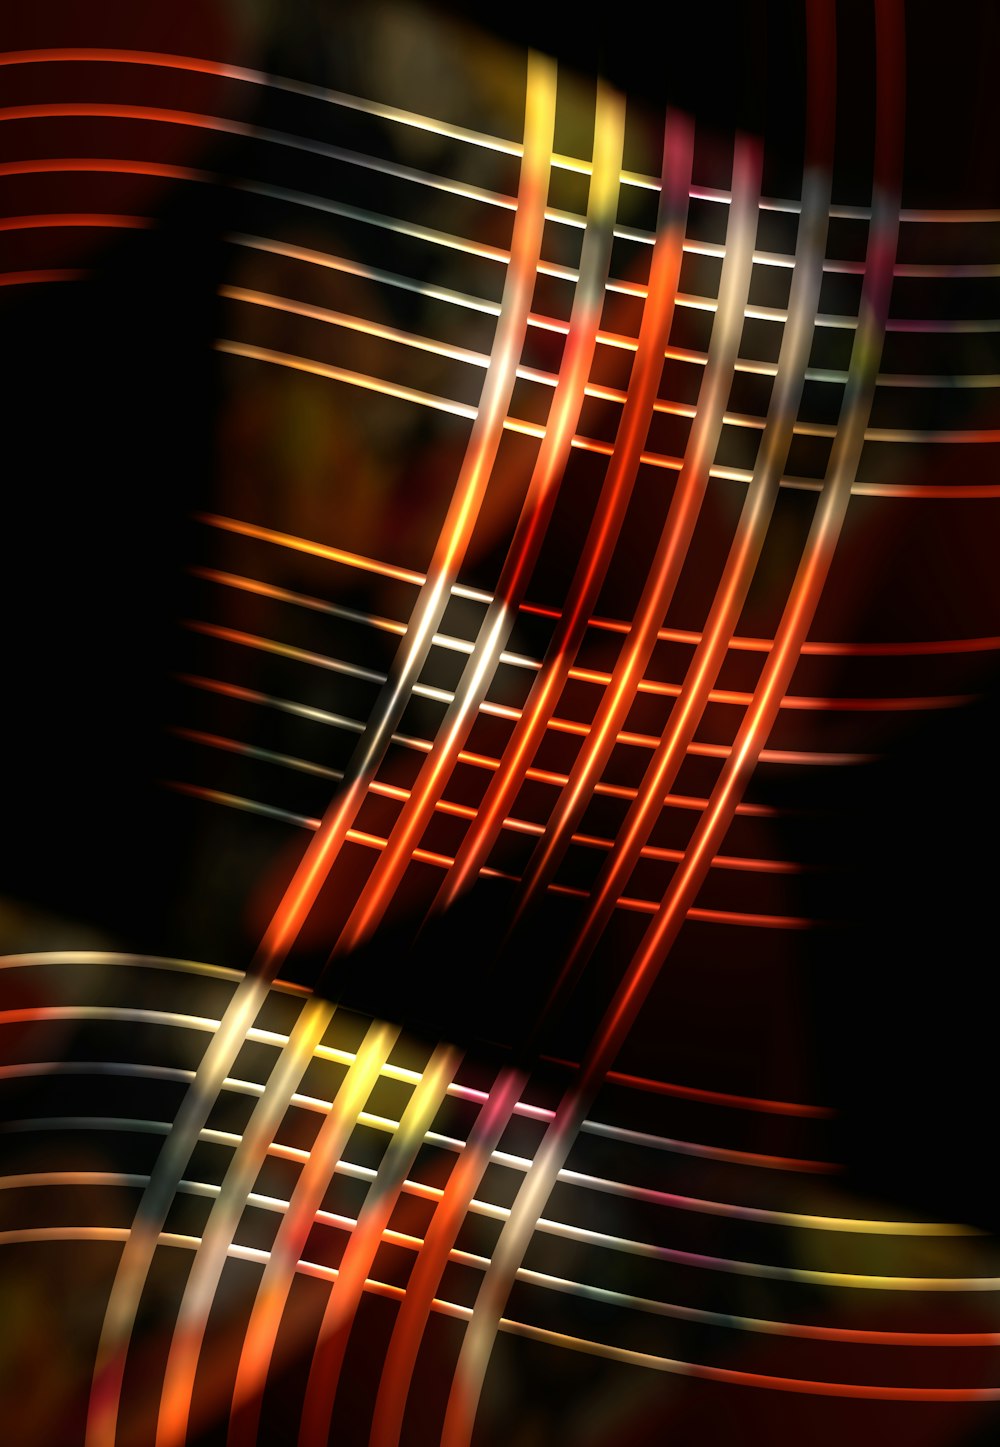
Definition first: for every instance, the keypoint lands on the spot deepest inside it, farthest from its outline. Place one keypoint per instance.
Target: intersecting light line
(678, 528)
(536, 511)
(323, 1160)
(817, 555)
(444, 861)
(206, 1271)
(467, 811)
(40, 959)
(740, 698)
(572, 726)
(363, 1242)
(456, 531)
(480, 761)
(435, 292)
(608, 517)
(596, 1348)
(551, 1156)
(647, 1250)
(744, 555)
(654, 330)
(617, 395)
(425, 1277)
(672, 635)
(436, 126)
(347, 1058)
(293, 1233)
(532, 429)
(311, 873)
(465, 355)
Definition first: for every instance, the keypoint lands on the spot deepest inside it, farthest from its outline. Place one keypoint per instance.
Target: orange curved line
(606, 729)
(608, 517)
(529, 531)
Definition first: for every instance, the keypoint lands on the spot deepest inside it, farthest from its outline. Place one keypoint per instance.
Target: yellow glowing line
(302, 545)
(304, 1207)
(648, 1250)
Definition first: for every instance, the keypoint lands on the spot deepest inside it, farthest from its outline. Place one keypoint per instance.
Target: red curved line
(532, 522)
(432, 1258)
(609, 515)
(68, 219)
(446, 862)
(480, 761)
(813, 570)
(710, 1097)
(32, 278)
(605, 732)
(49, 165)
(863, 1391)
(197, 120)
(817, 648)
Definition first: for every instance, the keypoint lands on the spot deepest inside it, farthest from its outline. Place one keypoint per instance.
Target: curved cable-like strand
(407, 1334)
(603, 533)
(459, 522)
(806, 588)
(293, 1233)
(359, 1255)
(755, 517)
(220, 1231)
(678, 528)
(310, 875)
(529, 533)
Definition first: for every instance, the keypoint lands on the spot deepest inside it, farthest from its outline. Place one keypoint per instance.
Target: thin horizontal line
(479, 139)
(466, 811)
(346, 1058)
(651, 459)
(674, 635)
(444, 861)
(572, 727)
(736, 698)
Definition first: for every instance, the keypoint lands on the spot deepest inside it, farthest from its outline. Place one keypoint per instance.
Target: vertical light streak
(799, 611)
(678, 527)
(755, 516)
(289, 1244)
(539, 500)
(411, 1321)
(359, 1256)
(306, 883)
(609, 515)
(137, 1254)
(459, 522)
(224, 1218)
